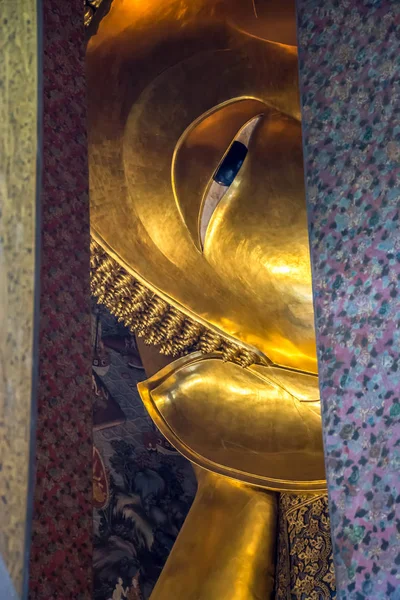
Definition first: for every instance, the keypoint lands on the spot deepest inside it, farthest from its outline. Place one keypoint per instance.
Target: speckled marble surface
(350, 85)
(18, 150)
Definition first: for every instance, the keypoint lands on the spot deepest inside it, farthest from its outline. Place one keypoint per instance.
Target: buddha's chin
(260, 425)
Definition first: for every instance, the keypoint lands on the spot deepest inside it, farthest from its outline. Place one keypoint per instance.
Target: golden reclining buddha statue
(200, 245)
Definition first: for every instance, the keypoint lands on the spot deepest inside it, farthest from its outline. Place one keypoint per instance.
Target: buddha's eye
(231, 164)
(226, 173)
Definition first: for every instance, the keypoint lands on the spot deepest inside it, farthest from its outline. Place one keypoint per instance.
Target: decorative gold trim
(90, 8)
(153, 319)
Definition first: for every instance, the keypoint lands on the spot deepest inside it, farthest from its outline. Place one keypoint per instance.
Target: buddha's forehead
(184, 11)
(162, 19)
(138, 41)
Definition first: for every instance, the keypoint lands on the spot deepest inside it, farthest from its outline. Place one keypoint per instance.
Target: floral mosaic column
(350, 91)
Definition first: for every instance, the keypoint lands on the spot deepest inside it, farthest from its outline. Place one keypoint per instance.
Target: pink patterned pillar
(350, 85)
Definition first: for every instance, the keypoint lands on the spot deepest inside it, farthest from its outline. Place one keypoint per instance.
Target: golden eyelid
(199, 151)
(215, 191)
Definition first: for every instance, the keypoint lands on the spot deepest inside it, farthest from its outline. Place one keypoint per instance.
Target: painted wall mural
(143, 488)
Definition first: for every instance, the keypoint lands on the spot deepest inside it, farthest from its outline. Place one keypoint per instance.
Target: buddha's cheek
(257, 239)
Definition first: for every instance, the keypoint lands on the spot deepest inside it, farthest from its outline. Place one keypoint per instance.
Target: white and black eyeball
(226, 173)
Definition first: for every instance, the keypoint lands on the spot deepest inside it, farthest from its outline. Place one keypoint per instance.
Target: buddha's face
(197, 190)
(196, 169)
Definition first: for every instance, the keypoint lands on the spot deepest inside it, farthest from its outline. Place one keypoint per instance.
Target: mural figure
(134, 592)
(119, 591)
(106, 411)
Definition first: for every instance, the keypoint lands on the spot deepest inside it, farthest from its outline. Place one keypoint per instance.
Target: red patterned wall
(61, 553)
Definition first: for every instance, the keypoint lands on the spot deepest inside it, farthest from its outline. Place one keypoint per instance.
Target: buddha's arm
(226, 548)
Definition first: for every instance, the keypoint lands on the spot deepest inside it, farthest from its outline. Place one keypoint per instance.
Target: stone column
(61, 554)
(350, 91)
(19, 248)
